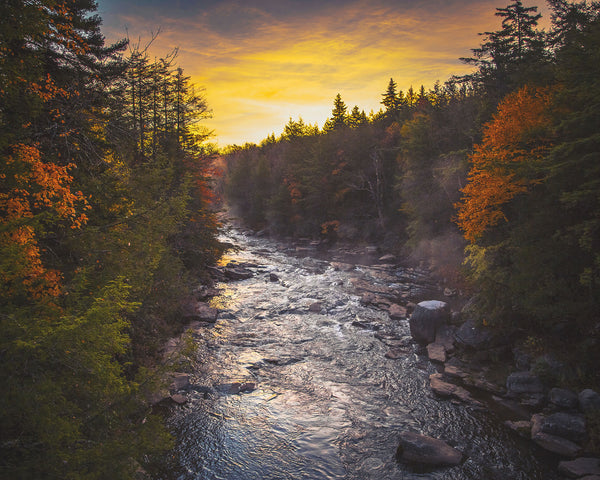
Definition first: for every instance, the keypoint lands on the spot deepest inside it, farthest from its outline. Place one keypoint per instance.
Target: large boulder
(423, 450)
(427, 318)
(566, 425)
(553, 443)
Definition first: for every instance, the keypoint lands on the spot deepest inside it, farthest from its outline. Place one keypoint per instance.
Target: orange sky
(262, 62)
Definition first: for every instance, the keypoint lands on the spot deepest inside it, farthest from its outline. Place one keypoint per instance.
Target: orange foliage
(517, 139)
(29, 187)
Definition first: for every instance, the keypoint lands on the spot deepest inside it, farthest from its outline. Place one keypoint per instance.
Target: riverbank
(315, 336)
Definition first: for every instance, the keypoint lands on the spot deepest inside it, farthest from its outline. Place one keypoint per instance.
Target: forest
(105, 227)
(492, 179)
(107, 222)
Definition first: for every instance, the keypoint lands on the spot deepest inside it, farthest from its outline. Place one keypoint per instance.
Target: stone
(589, 400)
(445, 389)
(454, 371)
(450, 292)
(566, 425)
(580, 467)
(315, 307)
(423, 450)
(523, 382)
(395, 353)
(473, 336)
(179, 399)
(180, 381)
(552, 443)
(273, 277)
(564, 398)
(397, 312)
(522, 427)
(237, 273)
(204, 313)
(445, 336)
(389, 258)
(436, 352)
(427, 318)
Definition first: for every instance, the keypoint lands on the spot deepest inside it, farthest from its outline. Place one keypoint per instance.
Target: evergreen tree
(339, 115)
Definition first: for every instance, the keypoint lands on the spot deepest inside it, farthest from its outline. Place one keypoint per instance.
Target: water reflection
(325, 402)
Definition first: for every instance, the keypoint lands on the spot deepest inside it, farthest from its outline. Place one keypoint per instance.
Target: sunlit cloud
(266, 61)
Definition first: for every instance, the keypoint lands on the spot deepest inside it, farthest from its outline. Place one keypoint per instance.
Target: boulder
(523, 383)
(427, 318)
(397, 312)
(423, 450)
(179, 399)
(566, 425)
(445, 336)
(273, 277)
(580, 467)
(552, 443)
(445, 389)
(589, 400)
(563, 398)
(179, 381)
(473, 336)
(436, 352)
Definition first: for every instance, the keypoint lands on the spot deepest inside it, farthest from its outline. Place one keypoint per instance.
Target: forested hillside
(504, 161)
(104, 226)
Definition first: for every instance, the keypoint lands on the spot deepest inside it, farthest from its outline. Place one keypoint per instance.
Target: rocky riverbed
(310, 366)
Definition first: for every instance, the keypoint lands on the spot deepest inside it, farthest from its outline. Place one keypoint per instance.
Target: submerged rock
(423, 450)
(427, 318)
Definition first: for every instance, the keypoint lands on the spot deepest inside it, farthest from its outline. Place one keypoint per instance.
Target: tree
(392, 100)
(339, 115)
(510, 56)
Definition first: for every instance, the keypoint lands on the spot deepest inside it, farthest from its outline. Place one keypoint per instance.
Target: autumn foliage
(504, 164)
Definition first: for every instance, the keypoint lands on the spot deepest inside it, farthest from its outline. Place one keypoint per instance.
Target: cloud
(265, 61)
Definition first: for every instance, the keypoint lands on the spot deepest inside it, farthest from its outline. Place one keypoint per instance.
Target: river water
(284, 390)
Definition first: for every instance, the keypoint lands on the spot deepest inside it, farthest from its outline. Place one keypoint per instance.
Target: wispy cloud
(265, 61)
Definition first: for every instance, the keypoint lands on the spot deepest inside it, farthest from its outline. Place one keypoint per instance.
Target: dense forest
(105, 226)
(493, 177)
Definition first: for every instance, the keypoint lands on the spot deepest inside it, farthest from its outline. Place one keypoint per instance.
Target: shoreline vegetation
(108, 223)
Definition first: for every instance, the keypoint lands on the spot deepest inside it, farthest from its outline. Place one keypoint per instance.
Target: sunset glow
(262, 62)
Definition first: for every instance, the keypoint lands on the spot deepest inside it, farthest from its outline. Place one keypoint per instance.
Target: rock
(473, 336)
(566, 425)
(450, 292)
(552, 443)
(523, 382)
(436, 352)
(445, 336)
(205, 313)
(481, 383)
(427, 317)
(180, 381)
(372, 250)
(389, 258)
(589, 400)
(397, 312)
(237, 273)
(179, 399)
(454, 371)
(580, 467)
(423, 450)
(564, 398)
(342, 267)
(236, 387)
(315, 307)
(558, 445)
(522, 427)
(445, 389)
(273, 277)
(395, 353)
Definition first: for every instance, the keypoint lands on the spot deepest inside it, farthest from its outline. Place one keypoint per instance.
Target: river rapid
(292, 382)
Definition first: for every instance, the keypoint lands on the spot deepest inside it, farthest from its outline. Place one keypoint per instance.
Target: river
(286, 388)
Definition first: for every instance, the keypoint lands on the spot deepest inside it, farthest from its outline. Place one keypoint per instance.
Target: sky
(262, 62)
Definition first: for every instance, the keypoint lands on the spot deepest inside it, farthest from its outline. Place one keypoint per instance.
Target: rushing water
(319, 398)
